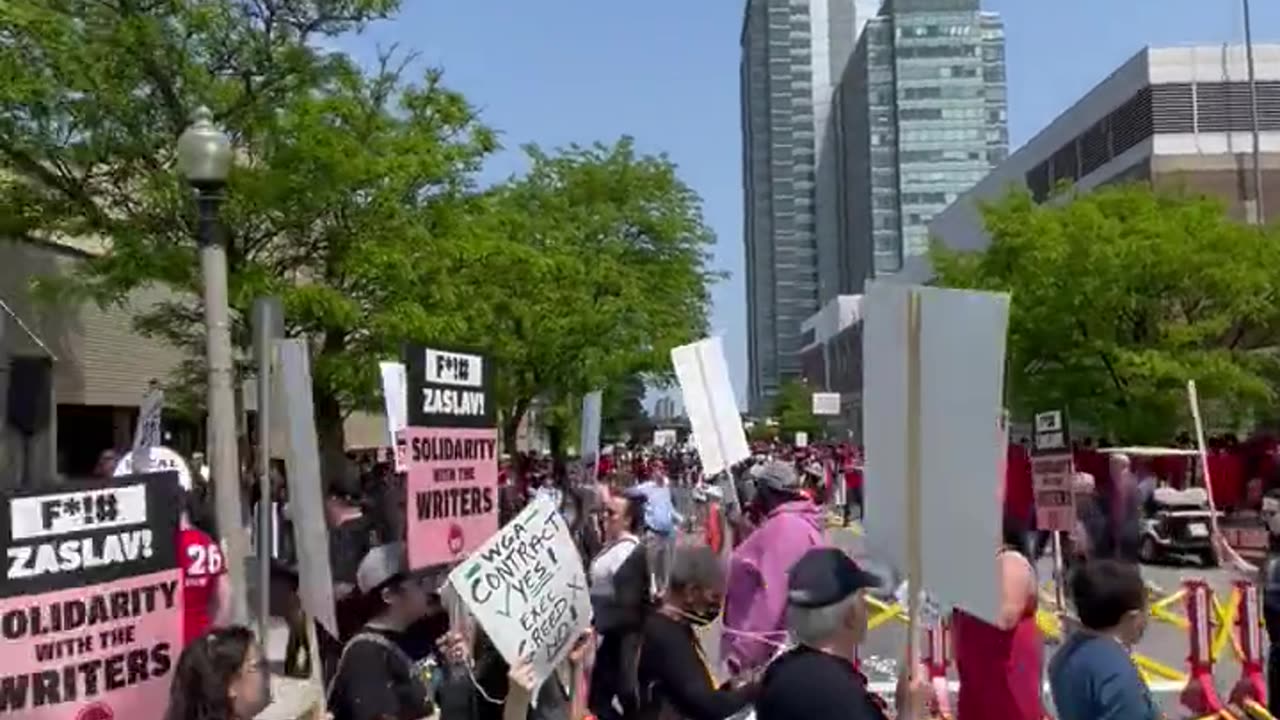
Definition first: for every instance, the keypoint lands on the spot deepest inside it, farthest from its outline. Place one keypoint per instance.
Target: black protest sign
(89, 533)
(1052, 435)
(91, 605)
(449, 388)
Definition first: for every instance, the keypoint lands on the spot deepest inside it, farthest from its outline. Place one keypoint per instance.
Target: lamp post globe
(204, 152)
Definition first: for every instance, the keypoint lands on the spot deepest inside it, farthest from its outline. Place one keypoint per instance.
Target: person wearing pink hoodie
(756, 596)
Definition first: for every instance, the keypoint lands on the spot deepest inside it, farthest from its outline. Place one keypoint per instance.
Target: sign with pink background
(452, 488)
(91, 600)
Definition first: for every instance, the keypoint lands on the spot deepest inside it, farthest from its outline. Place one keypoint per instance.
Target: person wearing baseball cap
(827, 617)
(756, 598)
(376, 678)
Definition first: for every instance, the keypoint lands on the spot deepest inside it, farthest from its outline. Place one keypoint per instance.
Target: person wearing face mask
(674, 679)
(221, 676)
(1091, 675)
(827, 618)
(376, 678)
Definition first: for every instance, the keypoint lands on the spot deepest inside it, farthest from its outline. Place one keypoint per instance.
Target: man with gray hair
(827, 618)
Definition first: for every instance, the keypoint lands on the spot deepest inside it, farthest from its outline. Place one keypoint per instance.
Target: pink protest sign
(91, 602)
(452, 488)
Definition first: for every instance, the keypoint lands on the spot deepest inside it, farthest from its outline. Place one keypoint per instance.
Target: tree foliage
(623, 414)
(596, 267)
(353, 199)
(1123, 294)
(793, 409)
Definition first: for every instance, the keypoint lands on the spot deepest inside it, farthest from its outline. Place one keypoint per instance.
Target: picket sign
(92, 581)
(155, 459)
(527, 588)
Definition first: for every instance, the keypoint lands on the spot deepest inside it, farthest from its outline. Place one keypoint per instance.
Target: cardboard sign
(826, 403)
(395, 395)
(590, 434)
(302, 464)
(962, 359)
(1052, 468)
(452, 492)
(155, 459)
(527, 588)
(150, 415)
(710, 404)
(91, 602)
(449, 388)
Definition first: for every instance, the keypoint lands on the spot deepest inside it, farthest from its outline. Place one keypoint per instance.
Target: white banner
(148, 433)
(395, 396)
(158, 459)
(826, 403)
(590, 435)
(710, 404)
(527, 588)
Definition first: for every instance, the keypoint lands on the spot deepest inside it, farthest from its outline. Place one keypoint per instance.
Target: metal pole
(267, 326)
(224, 465)
(1260, 213)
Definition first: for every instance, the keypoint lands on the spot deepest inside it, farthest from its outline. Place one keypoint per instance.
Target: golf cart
(1177, 522)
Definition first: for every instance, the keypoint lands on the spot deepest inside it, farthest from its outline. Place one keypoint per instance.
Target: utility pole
(1260, 215)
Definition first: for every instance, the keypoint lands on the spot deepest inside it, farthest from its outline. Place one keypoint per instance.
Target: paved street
(1163, 643)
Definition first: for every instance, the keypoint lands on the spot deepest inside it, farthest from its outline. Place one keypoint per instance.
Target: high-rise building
(922, 117)
(793, 53)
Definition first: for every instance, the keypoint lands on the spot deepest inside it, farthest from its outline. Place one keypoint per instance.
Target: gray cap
(381, 564)
(778, 475)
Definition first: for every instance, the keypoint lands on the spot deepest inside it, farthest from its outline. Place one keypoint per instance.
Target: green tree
(623, 413)
(595, 267)
(347, 200)
(1120, 296)
(793, 409)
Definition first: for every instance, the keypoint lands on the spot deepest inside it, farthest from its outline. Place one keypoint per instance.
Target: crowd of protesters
(791, 611)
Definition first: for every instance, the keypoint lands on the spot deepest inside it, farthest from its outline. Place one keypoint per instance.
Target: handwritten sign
(527, 588)
(90, 605)
(451, 492)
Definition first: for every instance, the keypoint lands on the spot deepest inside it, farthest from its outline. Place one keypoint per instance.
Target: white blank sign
(962, 347)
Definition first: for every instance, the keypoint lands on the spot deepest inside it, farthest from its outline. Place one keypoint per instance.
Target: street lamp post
(204, 160)
(1259, 204)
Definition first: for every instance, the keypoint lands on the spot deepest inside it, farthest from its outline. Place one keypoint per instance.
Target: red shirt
(202, 565)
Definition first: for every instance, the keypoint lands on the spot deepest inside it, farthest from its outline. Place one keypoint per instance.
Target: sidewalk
(291, 698)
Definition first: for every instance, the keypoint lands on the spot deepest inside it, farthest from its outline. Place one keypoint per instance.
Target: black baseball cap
(825, 576)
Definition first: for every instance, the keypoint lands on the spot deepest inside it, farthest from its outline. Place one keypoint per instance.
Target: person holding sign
(375, 678)
(674, 677)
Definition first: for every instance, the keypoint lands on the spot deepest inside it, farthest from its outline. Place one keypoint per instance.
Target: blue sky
(666, 72)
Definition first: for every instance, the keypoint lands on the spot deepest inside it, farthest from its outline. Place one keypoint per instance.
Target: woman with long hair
(221, 676)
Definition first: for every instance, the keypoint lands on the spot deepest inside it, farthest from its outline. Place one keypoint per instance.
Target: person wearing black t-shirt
(376, 678)
(674, 678)
(827, 616)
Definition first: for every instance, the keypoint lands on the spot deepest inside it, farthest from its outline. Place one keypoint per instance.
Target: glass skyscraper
(922, 112)
(793, 54)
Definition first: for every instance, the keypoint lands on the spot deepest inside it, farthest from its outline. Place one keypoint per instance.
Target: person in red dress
(206, 589)
(1000, 665)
